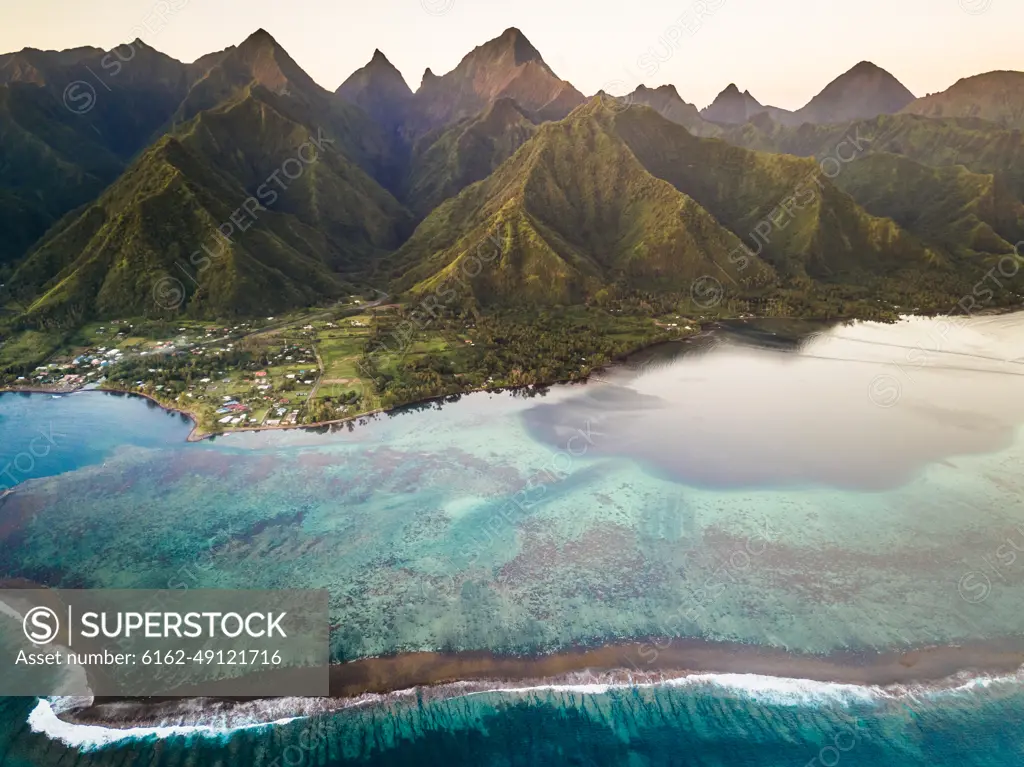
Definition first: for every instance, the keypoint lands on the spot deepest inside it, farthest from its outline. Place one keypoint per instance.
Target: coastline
(892, 671)
(193, 436)
(679, 657)
(198, 435)
(744, 669)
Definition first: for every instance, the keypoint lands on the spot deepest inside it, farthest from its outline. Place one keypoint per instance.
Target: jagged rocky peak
(378, 73)
(260, 39)
(514, 41)
(731, 106)
(428, 78)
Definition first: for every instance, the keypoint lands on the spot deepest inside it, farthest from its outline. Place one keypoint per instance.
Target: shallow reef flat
(692, 496)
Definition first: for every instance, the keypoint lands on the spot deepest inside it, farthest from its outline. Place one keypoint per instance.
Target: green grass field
(29, 348)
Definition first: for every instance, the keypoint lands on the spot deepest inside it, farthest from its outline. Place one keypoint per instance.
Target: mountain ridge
(560, 213)
(109, 258)
(994, 96)
(591, 199)
(506, 66)
(862, 92)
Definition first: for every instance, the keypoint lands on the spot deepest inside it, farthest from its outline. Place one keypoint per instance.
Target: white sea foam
(192, 718)
(44, 719)
(781, 690)
(756, 687)
(769, 690)
(786, 691)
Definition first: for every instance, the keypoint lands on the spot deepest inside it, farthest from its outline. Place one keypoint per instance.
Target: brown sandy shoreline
(441, 675)
(685, 656)
(660, 659)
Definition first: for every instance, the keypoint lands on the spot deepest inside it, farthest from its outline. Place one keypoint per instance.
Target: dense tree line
(179, 370)
(508, 350)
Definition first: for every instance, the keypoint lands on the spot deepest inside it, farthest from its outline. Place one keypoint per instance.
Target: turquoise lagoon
(855, 490)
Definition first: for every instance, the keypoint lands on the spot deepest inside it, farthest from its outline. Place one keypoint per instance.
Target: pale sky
(783, 51)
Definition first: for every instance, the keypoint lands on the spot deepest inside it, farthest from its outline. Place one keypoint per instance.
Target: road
(277, 328)
(320, 364)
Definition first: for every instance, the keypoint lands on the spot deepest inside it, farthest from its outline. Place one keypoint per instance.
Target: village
(331, 364)
(266, 373)
(258, 380)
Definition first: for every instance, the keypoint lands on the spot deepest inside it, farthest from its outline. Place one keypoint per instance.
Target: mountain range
(864, 91)
(251, 188)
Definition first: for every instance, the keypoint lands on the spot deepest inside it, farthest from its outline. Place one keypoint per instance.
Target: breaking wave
(58, 719)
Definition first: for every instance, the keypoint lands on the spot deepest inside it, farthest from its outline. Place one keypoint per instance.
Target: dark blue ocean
(662, 726)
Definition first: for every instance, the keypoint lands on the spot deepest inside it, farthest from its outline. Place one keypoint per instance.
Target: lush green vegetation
(447, 160)
(53, 158)
(545, 249)
(821, 233)
(503, 349)
(962, 213)
(572, 212)
(610, 201)
(154, 243)
(20, 353)
(979, 146)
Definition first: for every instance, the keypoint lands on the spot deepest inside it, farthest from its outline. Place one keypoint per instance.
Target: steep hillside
(447, 161)
(64, 137)
(157, 225)
(570, 216)
(126, 95)
(976, 144)
(138, 251)
(379, 90)
(48, 165)
(580, 210)
(822, 233)
(967, 214)
(995, 96)
(31, 65)
(261, 61)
